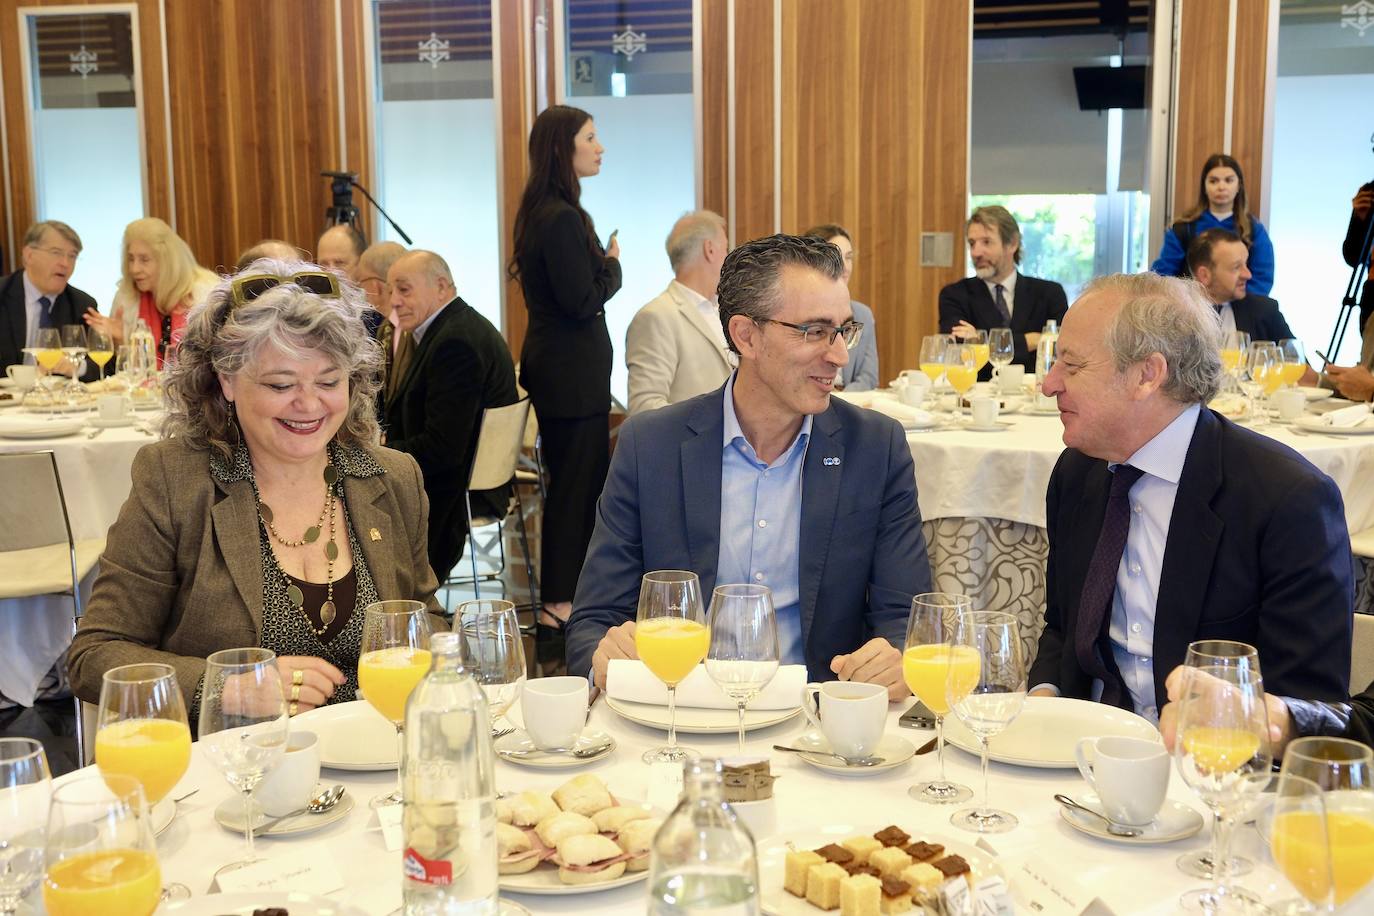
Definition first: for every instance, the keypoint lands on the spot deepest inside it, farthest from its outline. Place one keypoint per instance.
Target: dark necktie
(1002, 304)
(1218, 308)
(45, 313)
(1095, 603)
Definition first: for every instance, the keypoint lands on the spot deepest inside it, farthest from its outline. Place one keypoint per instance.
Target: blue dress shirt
(760, 524)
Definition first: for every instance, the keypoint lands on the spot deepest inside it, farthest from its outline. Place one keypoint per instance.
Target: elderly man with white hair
(1169, 524)
(675, 348)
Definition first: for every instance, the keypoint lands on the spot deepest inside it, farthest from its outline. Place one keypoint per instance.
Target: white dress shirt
(1228, 319)
(1132, 630)
(1008, 291)
(710, 311)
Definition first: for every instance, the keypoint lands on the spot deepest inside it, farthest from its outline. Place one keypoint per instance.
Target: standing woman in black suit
(565, 364)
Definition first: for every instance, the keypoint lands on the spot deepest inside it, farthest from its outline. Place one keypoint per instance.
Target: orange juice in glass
(671, 647)
(1230, 360)
(933, 371)
(928, 659)
(392, 658)
(156, 752)
(961, 377)
(671, 639)
(927, 671)
(981, 354)
(102, 883)
(387, 677)
(1291, 373)
(1220, 750)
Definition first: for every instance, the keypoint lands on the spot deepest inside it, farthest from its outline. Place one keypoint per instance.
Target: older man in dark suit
(998, 295)
(460, 367)
(1168, 523)
(39, 296)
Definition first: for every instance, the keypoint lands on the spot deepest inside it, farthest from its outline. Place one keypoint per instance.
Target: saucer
(518, 740)
(999, 426)
(1175, 821)
(229, 815)
(116, 423)
(894, 750)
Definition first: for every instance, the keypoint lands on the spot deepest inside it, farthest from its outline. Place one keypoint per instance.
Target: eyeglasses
(245, 289)
(372, 279)
(62, 254)
(823, 333)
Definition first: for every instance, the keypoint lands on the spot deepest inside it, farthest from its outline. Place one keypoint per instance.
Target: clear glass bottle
(1046, 351)
(449, 820)
(703, 858)
(142, 353)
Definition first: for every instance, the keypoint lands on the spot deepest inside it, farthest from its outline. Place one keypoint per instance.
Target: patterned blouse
(285, 630)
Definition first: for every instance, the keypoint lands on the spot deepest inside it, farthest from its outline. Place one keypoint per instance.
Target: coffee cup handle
(809, 703)
(1085, 768)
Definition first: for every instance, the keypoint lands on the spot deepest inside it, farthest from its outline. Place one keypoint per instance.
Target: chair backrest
(499, 440)
(31, 502)
(1362, 653)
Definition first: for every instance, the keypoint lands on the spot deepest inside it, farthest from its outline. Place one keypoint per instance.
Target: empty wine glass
(671, 639)
(987, 700)
(243, 725)
(493, 648)
(926, 662)
(743, 653)
(1001, 349)
(393, 658)
(25, 790)
(100, 856)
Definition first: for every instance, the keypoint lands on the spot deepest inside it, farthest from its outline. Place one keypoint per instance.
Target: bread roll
(510, 842)
(583, 794)
(613, 820)
(586, 849)
(637, 838)
(529, 808)
(563, 825)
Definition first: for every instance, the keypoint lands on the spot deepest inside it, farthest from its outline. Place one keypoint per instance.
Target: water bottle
(1046, 351)
(448, 781)
(703, 858)
(142, 353)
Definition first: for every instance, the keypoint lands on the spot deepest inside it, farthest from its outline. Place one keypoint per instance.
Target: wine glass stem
(987, 797)
(400, 760)
(672, 717)
(940, 748)
(741, 728)
(1222, 826)
(250, 856)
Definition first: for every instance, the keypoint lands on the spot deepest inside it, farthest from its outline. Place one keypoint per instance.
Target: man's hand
(1362, 203)
(1042, 692)
(875, 662)
(1280, 723)
(619, 642)
(1355, 383)
(963, 330)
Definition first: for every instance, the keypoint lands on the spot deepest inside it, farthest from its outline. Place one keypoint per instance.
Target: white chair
(1362, 654)
(38, 554)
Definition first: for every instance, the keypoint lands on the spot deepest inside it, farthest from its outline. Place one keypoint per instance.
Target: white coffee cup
(554, 710)
(1129, 775)
(23, 376)
(1290, 403)
(112, 406)
(984, 411)
(1011, 378)
(852, 715)
(1042, 402)
(291, 783)
(914, 392)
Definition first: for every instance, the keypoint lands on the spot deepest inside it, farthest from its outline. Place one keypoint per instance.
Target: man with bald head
(397, 346)
(461, 366)
(339, 249)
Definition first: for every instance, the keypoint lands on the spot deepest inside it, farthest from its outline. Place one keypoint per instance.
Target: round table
(1129, 879)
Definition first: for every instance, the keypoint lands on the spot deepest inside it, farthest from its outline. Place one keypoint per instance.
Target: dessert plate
(697, 721)
(894, 749)
(1048, 729)
(229, 815)
(21, 427)
(1175, 821)
(353, 736)
(1316, 394)
(517, 748)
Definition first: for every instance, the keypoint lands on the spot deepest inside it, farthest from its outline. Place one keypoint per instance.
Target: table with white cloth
(1129, 879)
(982, 500)
(35, 632)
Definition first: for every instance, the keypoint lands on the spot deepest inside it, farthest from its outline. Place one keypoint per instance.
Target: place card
(389, 819)
(286, 871)
(1040, 887)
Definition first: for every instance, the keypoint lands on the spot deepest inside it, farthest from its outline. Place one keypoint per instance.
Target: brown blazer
(181, 576)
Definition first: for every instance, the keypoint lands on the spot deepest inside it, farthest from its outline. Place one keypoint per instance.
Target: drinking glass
(742, 656)
(393, 658)
(986, 700)
(933, 356)
(981, 349)
(1293, 360)
(1259, 361)
(960, 369)
(99, 855)
(74, 349)
(142, 730)
(25, 789)
(243, 725)
(100, 348)
(1341, 772)
(1001, 349)
(671, 639)
(47, 352)
(1234, 348)
(1223, 754)
(492, 647)
(927, 659)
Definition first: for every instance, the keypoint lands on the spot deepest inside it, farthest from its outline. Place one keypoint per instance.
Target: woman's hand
(106, 324)
(307, 681)
(1363, 202)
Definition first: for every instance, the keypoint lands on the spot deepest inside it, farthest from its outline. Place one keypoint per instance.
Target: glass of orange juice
(47, 352)
(981, 351)
(100, 857)
(961, 368)
(391, 661)
(141, 729)
(99, 347)
(671, 639)
(926, 662)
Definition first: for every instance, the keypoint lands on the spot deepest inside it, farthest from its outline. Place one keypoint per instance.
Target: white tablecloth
(34, 632)
(1130, 880)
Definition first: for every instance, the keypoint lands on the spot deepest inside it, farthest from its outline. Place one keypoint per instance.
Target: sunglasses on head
(245, 289)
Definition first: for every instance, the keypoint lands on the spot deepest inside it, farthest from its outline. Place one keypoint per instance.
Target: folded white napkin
(631, 681)
(858, 398)
(1354, 415)
(902, 413)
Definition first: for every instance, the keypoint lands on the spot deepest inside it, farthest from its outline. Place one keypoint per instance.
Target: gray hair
(689, 233)
(35, 233)
(1169, 316)
(379, 257)
(750, 276)
(222, 339)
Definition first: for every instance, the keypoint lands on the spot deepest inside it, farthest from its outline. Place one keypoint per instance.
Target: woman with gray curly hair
(269, 516)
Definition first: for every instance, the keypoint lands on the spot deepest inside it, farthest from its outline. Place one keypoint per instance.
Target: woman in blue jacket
(1220, 203)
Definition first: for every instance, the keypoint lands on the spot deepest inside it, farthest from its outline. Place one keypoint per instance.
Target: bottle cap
(446, 643)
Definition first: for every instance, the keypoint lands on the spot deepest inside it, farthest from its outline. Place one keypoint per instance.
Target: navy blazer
(1257, 551)
(68, 308)
(863, 555)
(1259, 316)
(1035, 302)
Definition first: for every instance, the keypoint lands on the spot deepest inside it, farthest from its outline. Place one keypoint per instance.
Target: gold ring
(292, 709)
(298, 677)
(295, 692)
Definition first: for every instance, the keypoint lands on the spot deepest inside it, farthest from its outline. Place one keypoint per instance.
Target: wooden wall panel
(754, 165)
(517, 100)
(1247, 116)
(715, 138)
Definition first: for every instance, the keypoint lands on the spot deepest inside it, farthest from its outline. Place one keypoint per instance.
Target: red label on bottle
(437, 872)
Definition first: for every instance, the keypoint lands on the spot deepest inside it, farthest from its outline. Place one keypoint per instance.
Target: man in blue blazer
(768, 480)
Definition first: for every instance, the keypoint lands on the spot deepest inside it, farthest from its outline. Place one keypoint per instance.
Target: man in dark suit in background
(1168, 523)
(461, 366)
(38, 296)
(998, 296)
(767, 480)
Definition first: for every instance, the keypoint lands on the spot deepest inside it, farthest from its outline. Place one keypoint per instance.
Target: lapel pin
(831, 462)
(374, 534)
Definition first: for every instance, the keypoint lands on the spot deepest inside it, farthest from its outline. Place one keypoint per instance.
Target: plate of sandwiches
(578, 839)
(860, 871)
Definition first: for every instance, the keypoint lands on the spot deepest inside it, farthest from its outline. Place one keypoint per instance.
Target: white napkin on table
(902, 413)
(629, 680)
(858, 398)
(1347, 417)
